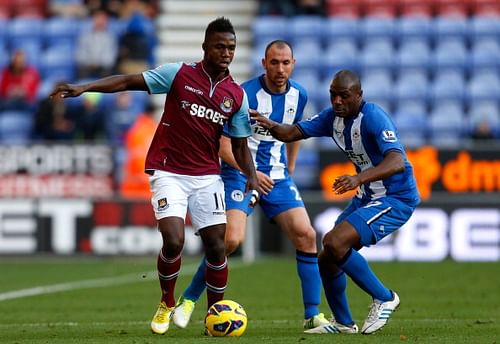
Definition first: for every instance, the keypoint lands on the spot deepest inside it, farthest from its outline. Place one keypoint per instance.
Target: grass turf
(112, 300)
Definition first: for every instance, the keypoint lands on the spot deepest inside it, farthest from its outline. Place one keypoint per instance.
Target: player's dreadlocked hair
(220, 24)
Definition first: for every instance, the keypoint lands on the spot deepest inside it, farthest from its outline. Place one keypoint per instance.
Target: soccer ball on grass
(226, 318)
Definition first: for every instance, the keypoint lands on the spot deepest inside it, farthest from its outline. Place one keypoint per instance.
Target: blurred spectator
(124, 8)
(90, 117)
(482, 130)
(97, 49)
(67, 8)
(55, 120)
(19, 84)
(135, 183)
(276, 7)
(120, 117)
(136, 46)
(310, 7)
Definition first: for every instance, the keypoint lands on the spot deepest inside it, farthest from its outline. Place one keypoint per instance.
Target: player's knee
(305, 239)
(216, 251)
(232, 243)
(333, 247)
(173, 246)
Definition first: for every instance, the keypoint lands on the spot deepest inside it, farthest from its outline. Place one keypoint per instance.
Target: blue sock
(310, 281)
(335, 290)
(356, 266)
(197, 285)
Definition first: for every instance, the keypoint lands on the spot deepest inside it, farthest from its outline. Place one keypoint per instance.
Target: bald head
(348, 79)
(346, 94)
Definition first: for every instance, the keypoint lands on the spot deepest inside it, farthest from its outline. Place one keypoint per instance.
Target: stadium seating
(380, 8)
(414, 53)
(450, 27)
(488, 112)
(305, 27)
(339, 28)
(15, 127)
(61, 31)
(376, 27)
(450, 53)
(25, 31)
(448, 85)
(343, 8)
(268, 28)
(341, 53)
(447, 125)
(414, 27)
(484, 54)
(416, 8)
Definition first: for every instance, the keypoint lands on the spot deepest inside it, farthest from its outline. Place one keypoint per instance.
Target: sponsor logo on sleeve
(389, 136)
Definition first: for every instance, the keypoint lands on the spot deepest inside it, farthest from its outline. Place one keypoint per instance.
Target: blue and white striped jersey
(269, 154)
(365, 139)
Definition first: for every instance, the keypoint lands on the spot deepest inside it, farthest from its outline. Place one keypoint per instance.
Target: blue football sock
(356, 266)
(335, 290)
(197, 285)
(307, 268)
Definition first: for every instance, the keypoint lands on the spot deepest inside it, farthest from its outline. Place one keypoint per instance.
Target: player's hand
(345, 183)
(262, 120)
(266, 183)
(254, 198)
(67, 90)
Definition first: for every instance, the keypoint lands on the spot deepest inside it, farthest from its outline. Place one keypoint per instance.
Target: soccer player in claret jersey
(283, 100)
(183, 159)
(386, 198)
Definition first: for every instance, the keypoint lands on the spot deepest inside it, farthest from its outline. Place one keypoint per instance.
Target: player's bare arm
(116, 83)
(292, 150)
(283, 132)
(225, 152)
(244, 160)
(393, 162)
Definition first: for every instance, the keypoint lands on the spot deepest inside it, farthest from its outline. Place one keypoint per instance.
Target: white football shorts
(174, 194)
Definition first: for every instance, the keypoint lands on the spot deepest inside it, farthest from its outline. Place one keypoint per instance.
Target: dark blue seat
(22, 31)
(340, 28)
(376, 27)
(61, 31)
(450, 53)
(412, 85)
(340, 54)
(451, 27)
(16, 127)
(414, 53)
(268, 28)
(447, 125)
(448, 85)
(306, 27)
(413, 26)
(485, 54)
(58, 63)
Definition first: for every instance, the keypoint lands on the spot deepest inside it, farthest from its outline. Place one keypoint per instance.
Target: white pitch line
(94, 283)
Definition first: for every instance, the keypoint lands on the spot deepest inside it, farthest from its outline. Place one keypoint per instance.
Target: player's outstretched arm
(283, 132)
(111, 84)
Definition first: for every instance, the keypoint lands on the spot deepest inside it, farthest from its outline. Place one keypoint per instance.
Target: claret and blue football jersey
(366, 139)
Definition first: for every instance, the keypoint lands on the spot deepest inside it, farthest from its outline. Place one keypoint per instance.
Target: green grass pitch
(112, 300)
